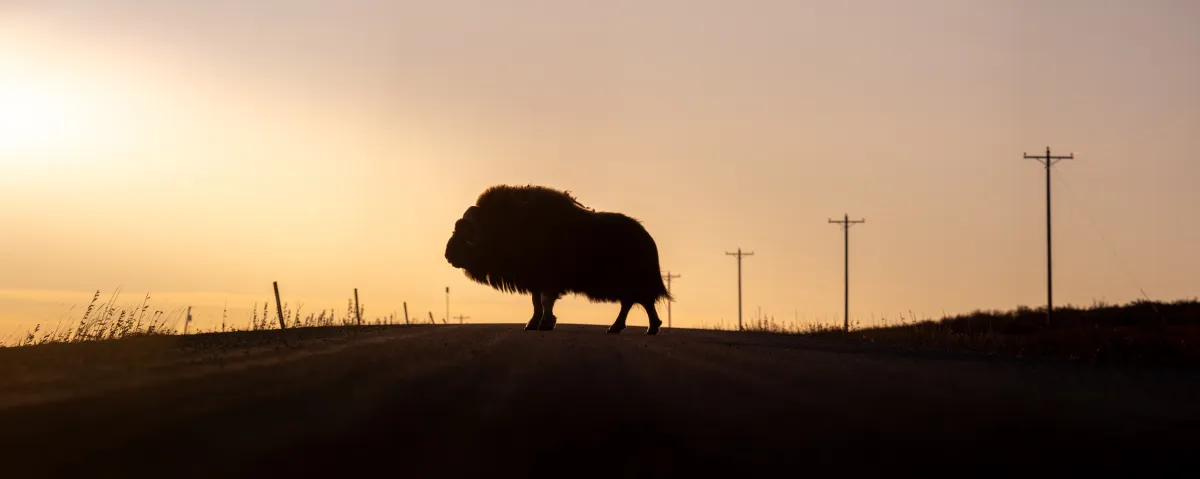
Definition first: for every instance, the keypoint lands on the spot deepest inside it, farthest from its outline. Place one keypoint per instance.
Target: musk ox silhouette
(542, 242)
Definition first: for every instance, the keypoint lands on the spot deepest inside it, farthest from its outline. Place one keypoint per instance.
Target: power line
(1048, 161)
(846, 223)
(1120, 261)
(739, 255)
(668, 277)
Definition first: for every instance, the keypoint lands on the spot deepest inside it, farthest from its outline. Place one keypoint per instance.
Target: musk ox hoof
(652, 330)
(614, 329)
(547, 324)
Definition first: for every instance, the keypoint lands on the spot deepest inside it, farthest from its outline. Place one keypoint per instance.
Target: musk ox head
(466, 248)
(503, 239)
(500, 225)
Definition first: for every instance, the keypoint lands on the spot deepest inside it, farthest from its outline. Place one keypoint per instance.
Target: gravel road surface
(495, 400)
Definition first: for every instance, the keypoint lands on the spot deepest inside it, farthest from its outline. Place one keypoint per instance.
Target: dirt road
(495, 400)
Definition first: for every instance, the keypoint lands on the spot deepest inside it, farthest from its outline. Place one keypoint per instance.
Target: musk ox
(542, 242)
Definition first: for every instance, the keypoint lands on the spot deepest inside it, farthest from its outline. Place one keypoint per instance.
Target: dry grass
(107, 321)
(1137, 333)
(770, 325)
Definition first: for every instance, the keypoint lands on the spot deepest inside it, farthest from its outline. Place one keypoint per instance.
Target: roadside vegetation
(1137, 333)
(1151, 333)
(108, 320)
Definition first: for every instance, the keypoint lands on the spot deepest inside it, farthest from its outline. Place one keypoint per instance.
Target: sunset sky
(198, 151)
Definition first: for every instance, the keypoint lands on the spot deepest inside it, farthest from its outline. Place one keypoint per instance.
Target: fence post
(357, 311)
(431, 321)
(406, 313)
(278, 305)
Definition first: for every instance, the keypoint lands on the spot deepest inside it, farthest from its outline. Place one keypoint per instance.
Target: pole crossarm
(846, 223)
(1049, 160)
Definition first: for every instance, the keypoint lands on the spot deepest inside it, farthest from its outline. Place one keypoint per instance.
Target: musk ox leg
(548, 320)
(619, 324)
(537, 312)
(654, 321)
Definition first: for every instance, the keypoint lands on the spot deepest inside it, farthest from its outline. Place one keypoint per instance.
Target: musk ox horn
(472, 214)
(468, 225)
(465, 230)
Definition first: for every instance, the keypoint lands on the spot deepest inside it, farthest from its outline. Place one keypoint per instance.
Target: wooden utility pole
(1049, 161)
(460, 318)
(668, 277)
(739, 255)
(447, 304)
(279, 306)
(846, 224)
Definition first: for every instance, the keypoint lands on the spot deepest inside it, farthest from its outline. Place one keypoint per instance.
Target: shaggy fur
(542, 242)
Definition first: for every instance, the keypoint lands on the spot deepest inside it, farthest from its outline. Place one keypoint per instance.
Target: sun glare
(34, 119)
(46, 115)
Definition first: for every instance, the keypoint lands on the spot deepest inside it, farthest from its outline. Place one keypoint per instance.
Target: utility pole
(846, 223)
(447, 303)
(1049, 161)
(668, 277)
(460, 318)
(739, 255)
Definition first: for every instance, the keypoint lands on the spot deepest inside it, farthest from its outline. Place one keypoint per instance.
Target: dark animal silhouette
(541, 241)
